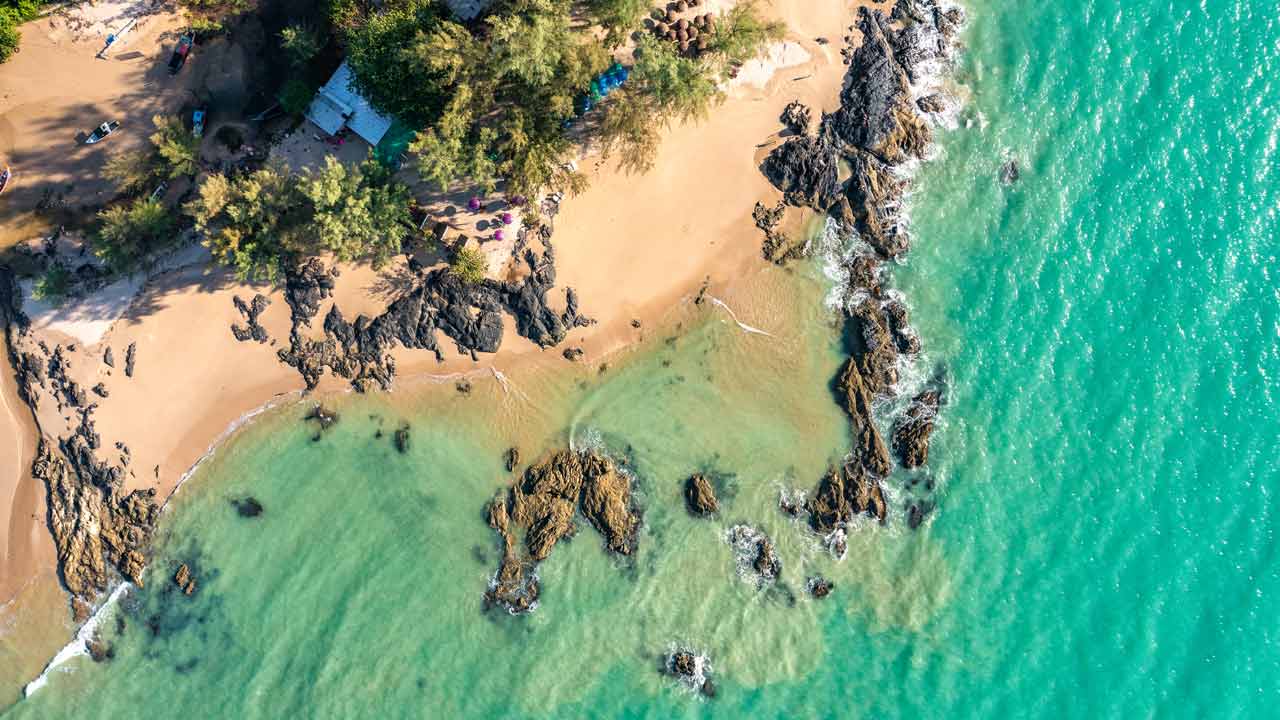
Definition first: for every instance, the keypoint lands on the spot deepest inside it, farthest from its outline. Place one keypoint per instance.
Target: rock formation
(912, 432)
(820, 587)
(700, 496)
(691, 669)
(130, 356)
(247, 507)
(543, 504)
(252, 330)
(184, 579)
(469, 314)
(796, 116)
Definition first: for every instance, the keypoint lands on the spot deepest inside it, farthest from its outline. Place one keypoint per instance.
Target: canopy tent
(337, 104)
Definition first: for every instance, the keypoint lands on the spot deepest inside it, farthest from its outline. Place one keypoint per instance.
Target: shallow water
(1104, 546)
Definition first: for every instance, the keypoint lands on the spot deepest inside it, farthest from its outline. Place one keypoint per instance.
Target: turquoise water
(1105, 544)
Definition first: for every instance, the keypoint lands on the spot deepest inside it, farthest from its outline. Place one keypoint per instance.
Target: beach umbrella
(684, 46)
(506, 218)
(661, 28)
(683, 24)
(473, 204)
(683, 36)
(693, 32)
(497, 235)
(671, 15)
(682, 6)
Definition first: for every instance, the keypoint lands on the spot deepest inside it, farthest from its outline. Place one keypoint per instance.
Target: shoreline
(627, 280)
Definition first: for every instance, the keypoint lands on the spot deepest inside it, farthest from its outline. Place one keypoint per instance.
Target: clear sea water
(1105, 544)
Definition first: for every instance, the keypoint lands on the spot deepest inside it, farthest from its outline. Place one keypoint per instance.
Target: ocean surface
(1105, 540)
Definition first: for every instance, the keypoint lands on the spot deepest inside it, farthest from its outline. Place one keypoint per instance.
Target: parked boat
(180, 53)
(102, 131)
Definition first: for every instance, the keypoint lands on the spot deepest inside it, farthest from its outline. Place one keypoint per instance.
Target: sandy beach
(630, 245)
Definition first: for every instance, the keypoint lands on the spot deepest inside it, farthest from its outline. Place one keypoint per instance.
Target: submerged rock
(700, 496)
(691, 669)
(844, 493)
(820, 587)
(401, 438)
(184, 579)
(511, 458)
(912, 432)
(1009, 172)
(247, 507)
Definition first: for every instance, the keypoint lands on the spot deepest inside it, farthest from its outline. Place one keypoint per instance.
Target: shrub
(469, 265)
(53, 286)
(128, 233)
(9, 35)
(177, 147)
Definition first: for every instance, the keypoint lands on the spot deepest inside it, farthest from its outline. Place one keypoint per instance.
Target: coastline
(624, 268)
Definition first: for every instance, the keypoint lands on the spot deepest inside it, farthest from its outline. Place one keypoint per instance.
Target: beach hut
(338, 105)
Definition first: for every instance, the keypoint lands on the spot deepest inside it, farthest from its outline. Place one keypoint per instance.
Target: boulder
(805, 169)
(913, 429)
(700, 496)
(796, 116)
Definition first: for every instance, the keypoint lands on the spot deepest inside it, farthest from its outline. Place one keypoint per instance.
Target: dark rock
(684, 663)
(917, 512)
(247, 507)
(820, 587)
(463, 387)
(844, 493)
(100, 390)
(868, 446)
(99, 651)
(912, 431)
(708, 688)
(323, 417)
(904, 338)
(254, 329)
(572, 354)
(401, 438)
(767, 563)
(511, 458)
(873, 195)
(700, 496)
(130, 355)
(796, 116)
(935, 103)
(108, 358)
(1009, 172)
(805, 169)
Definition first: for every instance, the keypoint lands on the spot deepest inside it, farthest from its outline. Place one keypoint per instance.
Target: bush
(128, 233)
(177, 147)
(132, 172)
(295, 96)
(300, 42)
(9, 35)
(469, 265)
(53, 286)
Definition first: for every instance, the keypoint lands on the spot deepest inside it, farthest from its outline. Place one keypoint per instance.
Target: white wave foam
(80, 644)
(745, 327)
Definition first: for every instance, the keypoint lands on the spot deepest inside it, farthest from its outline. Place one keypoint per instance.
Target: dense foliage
(177, 147)
(12, 14)
(492, 100)
(129, 232)
(257, 221)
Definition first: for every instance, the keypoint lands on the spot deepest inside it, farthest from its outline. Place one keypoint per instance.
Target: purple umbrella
(497, 235)
(506, 218)
(473, 204)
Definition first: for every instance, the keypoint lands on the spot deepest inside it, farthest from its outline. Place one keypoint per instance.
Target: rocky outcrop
(130, 357)
(691, 669)
(843, 494)
(820, 587)
(777, 247)
(95, 525)
(252, 329)
(511, 458)
(544, 504)
(700, 496)
(806, 170)
(755, 555)
(469, 314)
(184, 579)
(401, 438)
(912, 431)
(869, 449)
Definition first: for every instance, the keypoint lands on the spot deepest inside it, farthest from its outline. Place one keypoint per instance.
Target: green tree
(9, 35)
(469, 265)
(178, 148)
(619, 17)
(741, 34)
(385, 67)
(127, 233)
(249, 223)
(300, 42)
(132, 172)
(295, 96)
(356, 212)
(54, 285)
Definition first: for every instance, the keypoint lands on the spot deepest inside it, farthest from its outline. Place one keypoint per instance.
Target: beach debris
(820, 587)
(401, 438)
(184, 579)
(692, 669)
(700, 496)
(247, 506)
(544, 502)
(913, 429)
(130, 355)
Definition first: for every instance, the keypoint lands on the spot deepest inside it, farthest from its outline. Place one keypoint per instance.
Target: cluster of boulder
(543, 505)
(690, 668)
(878, 127)
(470, 314)
(691, 36)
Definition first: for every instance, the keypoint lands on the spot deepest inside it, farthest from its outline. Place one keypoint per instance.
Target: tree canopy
(256, 221)
(177, 146)
(127, 233)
